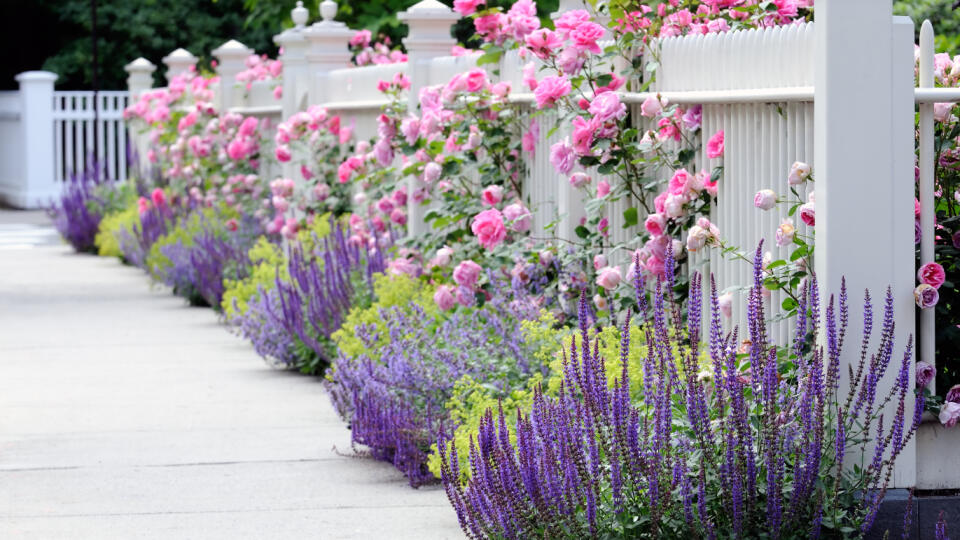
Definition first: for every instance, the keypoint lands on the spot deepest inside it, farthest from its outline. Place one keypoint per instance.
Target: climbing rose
(550, 89)
(466, 7)
(599, 261)
(808, 214)
(725, 302)
(603, 188)
(655, 223)
(158, 197)
(953, 394)
(443, 257)
(431, 171)
(444, 298)
(651, 107)
(543, 42)
(466, 273)
(926, 296)
(765, 199)
(586, 35)
(931, 274)
(488, 228)
(949, 414)
(785, 232)
(562, 157)
(715, 145)
(492, 195)
(799, 172)
(925, 374)
(607, 106)
(518, 216)
(579, 179)
(609, 277)
(283, 153)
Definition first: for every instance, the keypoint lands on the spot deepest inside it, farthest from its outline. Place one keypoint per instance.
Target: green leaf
(630, 217)
(582, 231)
(789, 304)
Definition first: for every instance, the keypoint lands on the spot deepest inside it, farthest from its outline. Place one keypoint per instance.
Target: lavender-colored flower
(77, 213)
(925, 374)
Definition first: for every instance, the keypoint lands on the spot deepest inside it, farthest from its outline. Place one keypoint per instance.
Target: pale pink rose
(925, 296)
(931, 274)
(501, 89)
(518, 216)
(599, 261)
(466, 274)
(403, 265)
(444, 298)
(431, 171)
(725, 302)
(697, 237)
(715, 145)
(600, 302)
(571, 60)
(603, 188)
(785, 232)
(949, 414)
(488, 228)
(530, 75)
(925, 374)
(655, 224)
(673, 205)
(550, 89)
(443, 257)
(941, 111)
(679, 181)
(606, 107)
(799, 173)
(492, 195)
(562, 157)
(609, 277)
(321, 191)
(579, 179)
(808, 214)
(765, 199)
(651, 107)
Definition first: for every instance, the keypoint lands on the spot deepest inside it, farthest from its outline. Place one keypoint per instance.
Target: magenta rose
(562, 157)
(715, 145)
(926, 296)
(466, 273)
(492, 195)
(925, 374)
(550, 89)
(931, 274)
(808, 214)
(488, 228)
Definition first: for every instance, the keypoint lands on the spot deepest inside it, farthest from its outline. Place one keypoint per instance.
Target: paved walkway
(126, 414)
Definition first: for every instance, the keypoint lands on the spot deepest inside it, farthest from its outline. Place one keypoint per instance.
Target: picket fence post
(139, 76)
(329, 40)
(231, 60)
(430, 23)
(864, 178)
(36, 185)
(179, 61)
(293, 45)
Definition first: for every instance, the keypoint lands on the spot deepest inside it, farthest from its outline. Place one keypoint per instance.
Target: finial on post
(299, 15)
(328, 10)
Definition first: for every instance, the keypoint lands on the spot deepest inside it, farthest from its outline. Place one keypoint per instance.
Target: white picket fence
(84, 138)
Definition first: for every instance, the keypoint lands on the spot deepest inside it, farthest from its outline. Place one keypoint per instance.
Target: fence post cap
(36, 76)
(140, 65)
(299, 15)
(328, 26)
(428, 9)
(232, 48)
(179, 55)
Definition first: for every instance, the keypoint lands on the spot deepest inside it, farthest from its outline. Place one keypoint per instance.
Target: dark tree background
(55, 35)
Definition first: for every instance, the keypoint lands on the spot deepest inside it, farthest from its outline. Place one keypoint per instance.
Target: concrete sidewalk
(126, 414)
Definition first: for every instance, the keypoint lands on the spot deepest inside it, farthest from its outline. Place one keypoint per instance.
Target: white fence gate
(86, 137)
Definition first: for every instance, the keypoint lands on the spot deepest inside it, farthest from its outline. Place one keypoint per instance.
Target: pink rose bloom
(347, 167)
(501, 89)
(475, 80)
(599, 261)
(725, 302)
(586, 35)
(570, 20)
(403, 265)
(926, 296)
(765, 199)
(953, 394)
(799, 172)
(579, 179)
(715, 145)
(941, 111)
(600, 302)
(398, 216)
(550, 89)
(431, 171)
(693, 117)
(606, 107)
(361, 39)
(518, 216)
(679, 181)
(530, 75)
(655, 224)
(158, 197)
(583, 132)
(488, 228)
(385, 205)
(400, 197)
(466, 274)
(808, 214)
(466, 7)
(283, 153)
(609, 277)
(785, 232)
(949, 414)
(925, 374)
(603, 188)
(562, 157)
(492, 195)
(236, 149)
(443, 257)
(321, 191)
(543, 42)
(278, 92)
(651, 107)
(249, 126)
(444, 298)
(931, 274)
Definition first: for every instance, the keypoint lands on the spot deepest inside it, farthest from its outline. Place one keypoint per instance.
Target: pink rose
(715, 145)
(941, 111)
(926, 296)
(518, 216)
(444, 298)
(158, 197)
(725, 303)
(321, 191)
(765, 199)
(925, 374)
(949, 414)
(403, 265)
(562, 157)
(583, 133)
(599, 261)
(586, 35)
(466, 7)
(808, 214)
(443, 257)
(603, 188)
(550, 89)
(655, 223)
(543, 42)
(475, 80)
(609, 277)
(492, 195)
(249, 126)
(651, 107)
(679, 181)
(606, 107)
(799, 172)
(579, 179)
(953, 394)
(488, 228)
(398, 216)
(431, 171)
(466, 273)
(785, 232)
(283, 153)
(931, 274)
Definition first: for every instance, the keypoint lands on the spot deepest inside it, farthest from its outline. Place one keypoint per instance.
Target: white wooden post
(927, 209)
(864, 179)
(139, 76)
(38, 187)
(294, 43)
(429, 37)
(329, 49)
(179, 61)
(231, 60)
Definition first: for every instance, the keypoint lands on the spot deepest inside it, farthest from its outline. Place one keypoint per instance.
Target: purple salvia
(940, 533)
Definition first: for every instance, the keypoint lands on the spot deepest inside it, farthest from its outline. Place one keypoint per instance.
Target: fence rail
(89, 132)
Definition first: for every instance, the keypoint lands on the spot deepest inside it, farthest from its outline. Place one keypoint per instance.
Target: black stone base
(926, 509)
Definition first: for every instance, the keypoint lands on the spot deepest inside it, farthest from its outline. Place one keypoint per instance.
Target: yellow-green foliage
(389, 291)
(317, 230)
(185, 232)
(107, 239)
(265, 257)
